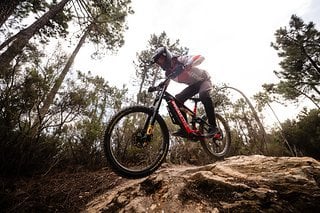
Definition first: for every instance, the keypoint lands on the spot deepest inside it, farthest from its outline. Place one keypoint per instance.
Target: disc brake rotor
(139, 138)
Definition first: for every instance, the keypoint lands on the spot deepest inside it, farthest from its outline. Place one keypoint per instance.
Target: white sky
(233, 35)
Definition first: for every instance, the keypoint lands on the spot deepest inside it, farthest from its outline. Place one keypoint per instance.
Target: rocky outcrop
(237, 184)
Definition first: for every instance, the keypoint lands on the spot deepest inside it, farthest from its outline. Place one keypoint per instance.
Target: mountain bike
(136, 139)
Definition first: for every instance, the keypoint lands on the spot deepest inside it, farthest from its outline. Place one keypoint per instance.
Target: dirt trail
(237, 184)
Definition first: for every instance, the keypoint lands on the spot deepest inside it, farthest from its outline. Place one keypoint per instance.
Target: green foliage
(103, 21)
(56, 27)
(221, 98)
(84, 135)
(239, 145)
(299, 48)
(304, 134)
(70, 129)
(246, 134)
(16, 11)
(25, 10)
(23, 155)
(277, 145)
(107, 23)
(70, 133)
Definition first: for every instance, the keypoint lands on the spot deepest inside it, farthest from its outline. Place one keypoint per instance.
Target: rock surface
(237, 184)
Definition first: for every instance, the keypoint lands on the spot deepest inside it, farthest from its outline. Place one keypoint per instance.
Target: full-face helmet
(163, 51)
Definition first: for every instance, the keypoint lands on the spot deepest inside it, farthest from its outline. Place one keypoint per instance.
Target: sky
(234, 36)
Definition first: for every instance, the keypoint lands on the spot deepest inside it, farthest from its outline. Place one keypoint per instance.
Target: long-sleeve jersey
(186, 71)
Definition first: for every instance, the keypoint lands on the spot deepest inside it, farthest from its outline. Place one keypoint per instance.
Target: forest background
(53, 112)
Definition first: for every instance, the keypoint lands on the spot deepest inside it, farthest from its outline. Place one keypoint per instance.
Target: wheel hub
(139, 138)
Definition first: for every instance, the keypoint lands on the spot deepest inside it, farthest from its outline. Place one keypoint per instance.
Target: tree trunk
(281, 131)
(255, 115)
(141, 84)
(314, 64)
(103, 108)
(23, 37)
(155, 77)
(307, 96)
(50, 97)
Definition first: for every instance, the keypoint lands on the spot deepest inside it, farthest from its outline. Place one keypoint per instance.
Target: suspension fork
(149, 124)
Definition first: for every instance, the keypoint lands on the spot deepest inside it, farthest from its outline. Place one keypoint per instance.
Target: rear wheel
(128, 149)
(219, 145)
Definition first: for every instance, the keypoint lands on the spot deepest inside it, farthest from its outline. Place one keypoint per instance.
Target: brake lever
(152, 89)
(160, 86)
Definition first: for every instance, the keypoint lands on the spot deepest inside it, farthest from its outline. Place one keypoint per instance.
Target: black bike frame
(174, 109)
(156, 106)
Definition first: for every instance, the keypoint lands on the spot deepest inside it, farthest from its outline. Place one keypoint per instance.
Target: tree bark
(281, 131)
(141, 84)
(307, 96)
(52, 93)
(255, 114)
(314, 64)
(23, 37)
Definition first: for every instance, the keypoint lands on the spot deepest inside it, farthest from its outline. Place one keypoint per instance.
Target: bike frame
(174, 108)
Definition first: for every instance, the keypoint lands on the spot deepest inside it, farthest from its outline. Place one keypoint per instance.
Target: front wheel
(219, 146)
(129, 150)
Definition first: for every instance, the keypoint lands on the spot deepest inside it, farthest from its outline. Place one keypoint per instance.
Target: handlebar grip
(159, 87)
(152, 89)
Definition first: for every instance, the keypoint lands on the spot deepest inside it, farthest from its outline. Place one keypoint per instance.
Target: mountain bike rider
(183, 69)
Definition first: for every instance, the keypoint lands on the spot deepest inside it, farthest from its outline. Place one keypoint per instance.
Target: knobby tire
(125, 152)
(211, 146)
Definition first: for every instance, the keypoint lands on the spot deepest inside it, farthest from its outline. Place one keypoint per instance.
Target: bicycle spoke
(128, 147)
(219, 145)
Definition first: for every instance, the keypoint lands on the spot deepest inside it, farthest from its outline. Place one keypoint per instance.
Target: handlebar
(160, 85)
(153, 89)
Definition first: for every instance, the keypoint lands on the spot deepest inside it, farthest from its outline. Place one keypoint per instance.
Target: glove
(152, 89)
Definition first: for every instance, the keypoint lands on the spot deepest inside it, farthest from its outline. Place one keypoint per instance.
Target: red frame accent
(182, 119)
(195, 109)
